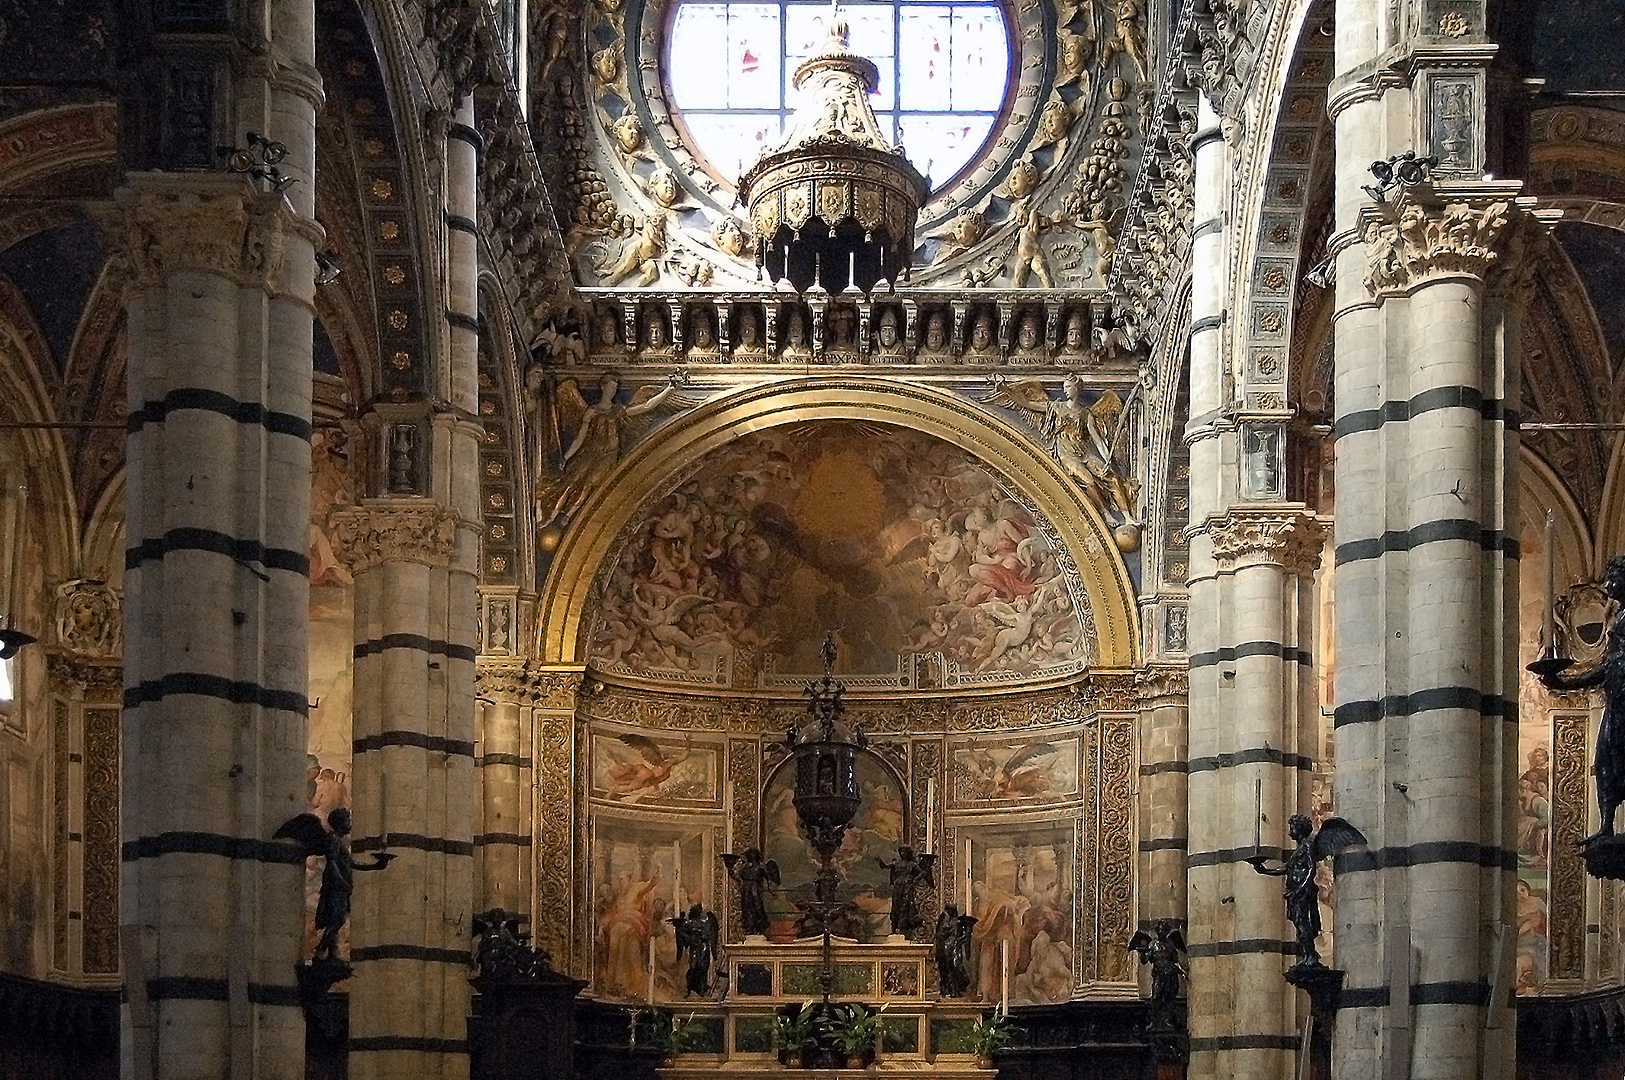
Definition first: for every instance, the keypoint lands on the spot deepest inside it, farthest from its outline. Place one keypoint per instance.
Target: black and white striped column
(1425, 708)
(1163, 801)
(416, 564)
(216, 589)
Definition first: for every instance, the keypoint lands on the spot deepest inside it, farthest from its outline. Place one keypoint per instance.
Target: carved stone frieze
(1293, 539)
(371, 535)
(97, 678)
(1116, 849)
(1568, 878)
(528, 684)
(1413, 240)
(1109, 691)
(1163, 684)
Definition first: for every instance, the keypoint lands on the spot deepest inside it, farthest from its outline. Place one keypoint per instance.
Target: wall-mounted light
(258, 161)
(1402, 170)
(327, 271)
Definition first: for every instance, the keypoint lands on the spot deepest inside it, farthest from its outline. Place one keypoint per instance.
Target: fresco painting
(636, 768)
(873, 835)
(904, 542)
(643, 873)
(1021, 892)
(1035, 769)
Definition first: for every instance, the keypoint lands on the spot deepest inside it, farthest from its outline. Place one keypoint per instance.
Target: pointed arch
(653, 466)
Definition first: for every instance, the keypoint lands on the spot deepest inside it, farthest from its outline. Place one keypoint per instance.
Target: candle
(930, 814)
(1258, 815)
(967, 910)
(728, 806)
(651, 966)
(677, 878)
(1547, 616)
(1004, 964)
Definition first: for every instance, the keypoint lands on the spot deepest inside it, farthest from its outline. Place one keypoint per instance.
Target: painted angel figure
(698, 934)
(332, 843)
(1087, 439)
(598, 435)
(1024, 773)
(1300, 889)
(642, 767)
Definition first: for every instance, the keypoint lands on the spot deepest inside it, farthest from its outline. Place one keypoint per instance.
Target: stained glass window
(944, 74)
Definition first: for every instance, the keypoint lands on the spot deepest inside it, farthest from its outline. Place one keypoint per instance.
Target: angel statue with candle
(1298, 868)
(1609, 673)
(332, 843)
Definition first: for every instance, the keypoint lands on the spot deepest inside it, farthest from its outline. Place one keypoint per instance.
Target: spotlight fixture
(12, 639)
(1402, 171)
(327, 271)
(258, 161)
(1323, 273)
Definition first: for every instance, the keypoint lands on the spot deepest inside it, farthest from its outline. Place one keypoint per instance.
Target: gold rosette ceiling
(834, 204)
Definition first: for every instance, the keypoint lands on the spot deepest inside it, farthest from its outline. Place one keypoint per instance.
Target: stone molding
(216, 223)
(1292, 539)
(1156, 685)
(528, 684)
(375, 533)
(1417, 238)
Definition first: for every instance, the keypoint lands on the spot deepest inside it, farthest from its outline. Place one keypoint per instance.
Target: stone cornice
(382, 531)
(1290, 538)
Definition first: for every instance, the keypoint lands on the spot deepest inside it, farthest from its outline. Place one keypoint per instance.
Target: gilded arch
(566, 595)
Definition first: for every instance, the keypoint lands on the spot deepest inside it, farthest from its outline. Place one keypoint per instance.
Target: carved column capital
(1421, 236)
(216, 223)
(526, 683)
(99, 679)
(394, 531)
(1292, 539)
(1108, 691)
(1161, 684)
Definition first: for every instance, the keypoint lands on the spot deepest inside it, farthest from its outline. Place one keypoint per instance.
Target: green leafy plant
(991, 1033)
(855, 1029)
(798, 1031)
(684, 1036)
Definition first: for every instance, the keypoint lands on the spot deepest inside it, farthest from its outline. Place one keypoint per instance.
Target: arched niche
(653, 468)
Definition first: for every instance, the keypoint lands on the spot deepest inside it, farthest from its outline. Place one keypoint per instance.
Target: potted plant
(856, 1030)
(990, 1033)
(679, 1037)
(798, 1034)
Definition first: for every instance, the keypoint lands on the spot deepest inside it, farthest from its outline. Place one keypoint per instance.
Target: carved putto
(89, 618)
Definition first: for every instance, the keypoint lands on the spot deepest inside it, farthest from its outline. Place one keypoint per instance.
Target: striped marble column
(1164, 715)
(219, 321)
(416, 565)
(217, 594)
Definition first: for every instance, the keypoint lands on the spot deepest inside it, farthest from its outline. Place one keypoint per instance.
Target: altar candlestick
(1004, 964)
(651, 966)
(1258, 815)
(728, 804)
(1548, 615)
(677, 877)
(930, 814)
(967, 910)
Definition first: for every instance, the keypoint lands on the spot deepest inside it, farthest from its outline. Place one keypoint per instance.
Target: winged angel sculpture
(579, 445)
(1089, 440)
(1301, 891)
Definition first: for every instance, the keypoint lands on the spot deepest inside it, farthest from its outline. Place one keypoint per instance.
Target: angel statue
(698, 934)
(1088, 440)
(753, 873)
(331, 843)
(907, 874)
(598, 435)
(953, 951)
(1301, 892)
(1608, 672)
(1162, 953)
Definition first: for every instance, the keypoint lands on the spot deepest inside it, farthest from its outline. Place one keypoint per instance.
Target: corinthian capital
(214, 223)
(377, 533)
(527, 683)
(1157, 682)
(1292, 539)
(1412, 240)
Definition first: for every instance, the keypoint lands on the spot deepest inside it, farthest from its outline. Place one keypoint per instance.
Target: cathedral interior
(1161, 432)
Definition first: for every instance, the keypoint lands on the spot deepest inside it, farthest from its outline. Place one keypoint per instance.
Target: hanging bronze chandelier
(834, 204)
